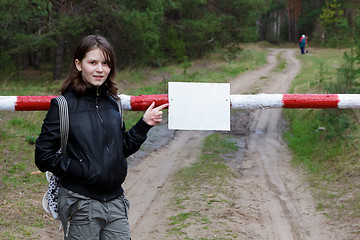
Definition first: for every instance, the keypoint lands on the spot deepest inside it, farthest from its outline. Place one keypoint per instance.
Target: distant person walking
(302, 44)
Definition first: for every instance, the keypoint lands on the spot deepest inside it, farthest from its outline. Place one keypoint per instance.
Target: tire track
(284, 214)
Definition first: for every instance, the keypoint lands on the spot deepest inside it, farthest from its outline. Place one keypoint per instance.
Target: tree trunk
(293, 11)
(289, 24)
(59, 55)
(59, 50)
(34, 59)
(25, 61)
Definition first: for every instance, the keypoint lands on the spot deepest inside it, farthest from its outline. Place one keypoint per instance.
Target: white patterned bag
(50, 197)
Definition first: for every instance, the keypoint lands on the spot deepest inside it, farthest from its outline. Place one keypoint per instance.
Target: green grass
(326, 142)
(208, 172)
(210, 167)
(281, 63)
(319, 69)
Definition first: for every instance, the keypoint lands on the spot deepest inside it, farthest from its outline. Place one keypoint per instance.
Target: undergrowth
(326, 141)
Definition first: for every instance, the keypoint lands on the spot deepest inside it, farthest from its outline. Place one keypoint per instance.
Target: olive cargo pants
(84, 218)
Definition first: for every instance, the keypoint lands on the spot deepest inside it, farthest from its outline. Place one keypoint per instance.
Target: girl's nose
(99, 68)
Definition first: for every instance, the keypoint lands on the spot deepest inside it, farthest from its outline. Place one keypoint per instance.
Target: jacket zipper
(101, 120)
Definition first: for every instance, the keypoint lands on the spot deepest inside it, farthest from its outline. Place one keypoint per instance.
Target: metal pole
(258, 101)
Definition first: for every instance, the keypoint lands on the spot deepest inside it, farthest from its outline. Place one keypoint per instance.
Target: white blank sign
(199, 106)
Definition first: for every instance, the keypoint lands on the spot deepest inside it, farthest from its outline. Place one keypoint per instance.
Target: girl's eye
(92, 62)
(105, 63)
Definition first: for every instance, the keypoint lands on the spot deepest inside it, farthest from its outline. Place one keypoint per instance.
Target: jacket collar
(96, 91)
(92, 91)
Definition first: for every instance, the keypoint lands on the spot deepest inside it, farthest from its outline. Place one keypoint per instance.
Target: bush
(7, 65)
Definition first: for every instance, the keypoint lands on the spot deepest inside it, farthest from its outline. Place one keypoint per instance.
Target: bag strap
(64, 122)
(120, 111)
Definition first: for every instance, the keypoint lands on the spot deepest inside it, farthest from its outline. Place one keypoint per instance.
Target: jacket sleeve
(47, 157)
(135, 137)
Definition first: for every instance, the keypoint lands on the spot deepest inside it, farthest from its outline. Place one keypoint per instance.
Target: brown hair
(75, 78)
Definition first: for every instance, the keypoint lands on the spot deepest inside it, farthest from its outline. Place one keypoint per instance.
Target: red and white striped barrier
(42, 103)
(262, 101)
(295, 101)
(25, 103)
(142, 102)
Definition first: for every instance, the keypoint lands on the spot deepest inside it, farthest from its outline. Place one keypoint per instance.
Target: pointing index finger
(162, 106)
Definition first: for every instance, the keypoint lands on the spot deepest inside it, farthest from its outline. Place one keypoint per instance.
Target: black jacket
(97, 147)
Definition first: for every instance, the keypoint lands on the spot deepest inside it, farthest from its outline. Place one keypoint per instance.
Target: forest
(41, 34)
(161, 41)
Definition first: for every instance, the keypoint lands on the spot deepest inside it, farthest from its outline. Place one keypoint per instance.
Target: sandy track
(270, 199)
(148, 182)
(275, 202)
(287, 207)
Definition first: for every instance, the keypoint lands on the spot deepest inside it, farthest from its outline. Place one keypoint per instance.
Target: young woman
(91, 201)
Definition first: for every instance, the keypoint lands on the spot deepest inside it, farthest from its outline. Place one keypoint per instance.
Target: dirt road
(269, 199)
(273, 200)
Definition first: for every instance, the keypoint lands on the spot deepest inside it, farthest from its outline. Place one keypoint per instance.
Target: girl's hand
(153, 116)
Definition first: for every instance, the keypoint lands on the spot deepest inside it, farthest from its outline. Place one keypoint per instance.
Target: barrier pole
(258, 101)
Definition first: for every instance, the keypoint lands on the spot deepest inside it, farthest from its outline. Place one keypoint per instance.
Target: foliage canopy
(34, 33)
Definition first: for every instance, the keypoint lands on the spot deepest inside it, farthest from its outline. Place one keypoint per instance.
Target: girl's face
(93, 67)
